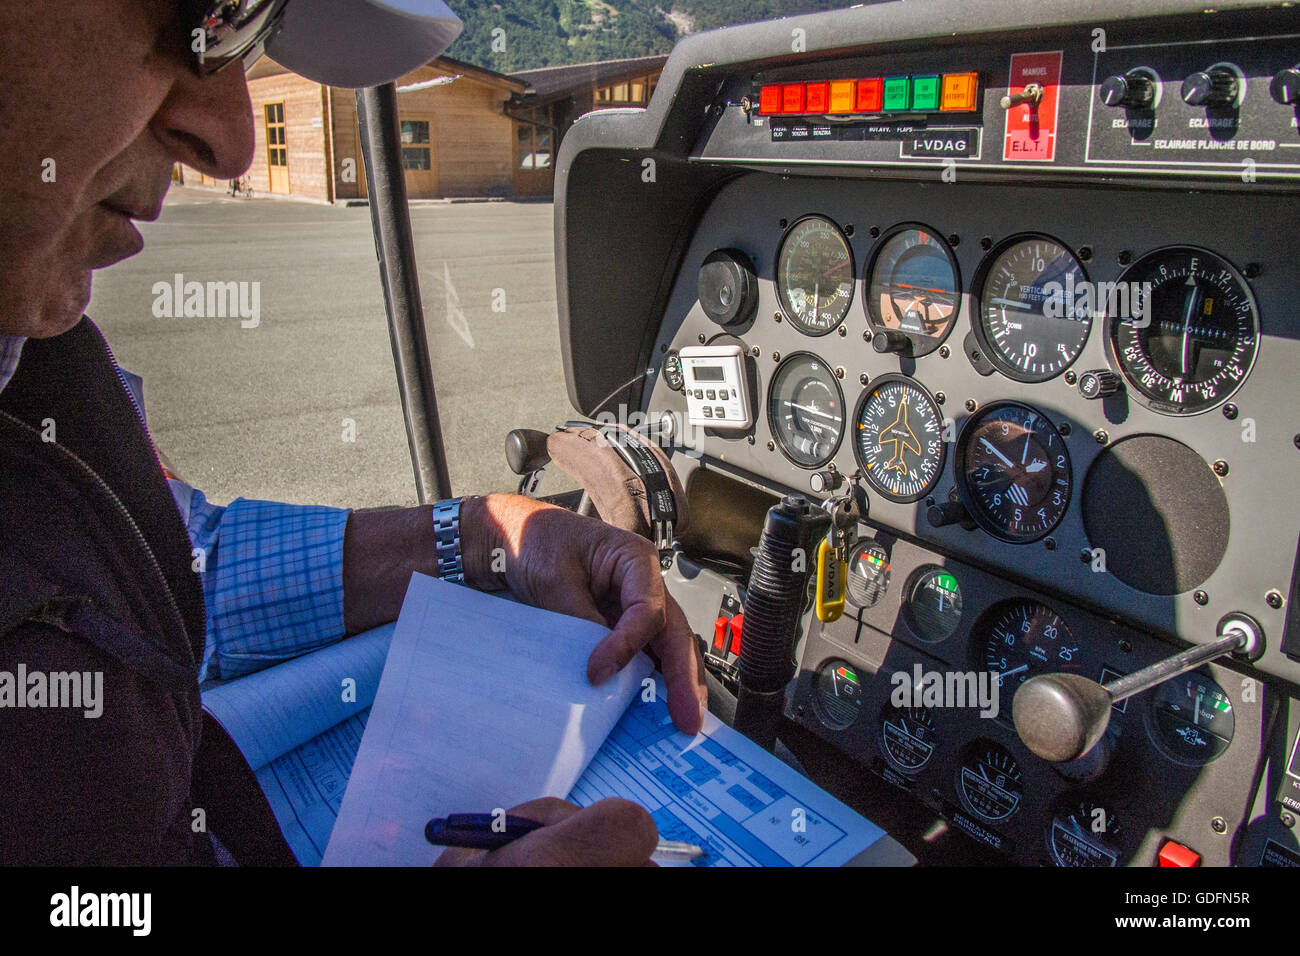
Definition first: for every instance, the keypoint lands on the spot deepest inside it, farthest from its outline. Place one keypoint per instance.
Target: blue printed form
(708, 790)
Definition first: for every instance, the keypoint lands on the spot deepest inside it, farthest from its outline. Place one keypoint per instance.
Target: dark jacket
(96, 575)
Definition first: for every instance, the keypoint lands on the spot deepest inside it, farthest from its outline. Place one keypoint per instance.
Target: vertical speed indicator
(1034, 309)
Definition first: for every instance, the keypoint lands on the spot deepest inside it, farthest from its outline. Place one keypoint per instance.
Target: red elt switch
(737, 623)
(817, 97)
(769, 99)
(1175, 854)
(871, 95)
(792, 98)
(720, 634)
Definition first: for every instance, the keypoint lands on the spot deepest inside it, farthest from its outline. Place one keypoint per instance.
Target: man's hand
(580, 566)
(611, 832)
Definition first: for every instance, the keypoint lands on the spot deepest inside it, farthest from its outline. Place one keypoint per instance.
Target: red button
(817, 97)
(870, 95)
(769, 99)
(1175, 854)
(792, 98)
(720, 634)
(737, 623)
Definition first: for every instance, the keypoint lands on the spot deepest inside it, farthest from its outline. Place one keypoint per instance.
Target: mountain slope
(509, 35)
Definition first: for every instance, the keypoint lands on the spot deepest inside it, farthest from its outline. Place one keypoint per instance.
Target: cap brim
(355, 43)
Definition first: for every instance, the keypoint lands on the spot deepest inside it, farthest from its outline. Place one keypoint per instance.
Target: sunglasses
(222, 32)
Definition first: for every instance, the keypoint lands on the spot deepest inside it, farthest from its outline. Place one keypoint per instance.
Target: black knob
(890, 340)
(1099, 383)
(1213, 87)
(1133, 90)
(1285, 86)
(826, 480)
(950, 512)
(727, 287)
(526, 450)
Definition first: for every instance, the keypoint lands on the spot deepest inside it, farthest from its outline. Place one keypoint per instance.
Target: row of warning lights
(951, 92)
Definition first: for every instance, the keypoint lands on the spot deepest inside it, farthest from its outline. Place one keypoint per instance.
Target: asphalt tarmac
(262, 403)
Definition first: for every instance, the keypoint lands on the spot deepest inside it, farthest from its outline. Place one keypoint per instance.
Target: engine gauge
(805, 409)
(1022, 638)
(1189, 344)
(837, 694)
(1013, 472)
(907, 736)
(814, 275)
(1034, 313)
(1193, 718)
(1085, 834)
(913, 287)
(989, 781)
(868, 574)
(932, 603)
(898, 438)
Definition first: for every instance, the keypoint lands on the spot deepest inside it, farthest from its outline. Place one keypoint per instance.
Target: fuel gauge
(1193, 718)
(932, 604)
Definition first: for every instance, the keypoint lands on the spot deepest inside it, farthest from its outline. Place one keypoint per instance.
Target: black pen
(487, 831)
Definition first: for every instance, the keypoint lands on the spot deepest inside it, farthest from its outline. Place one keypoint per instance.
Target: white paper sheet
(721, 791)
(483, 704)
(273, 711)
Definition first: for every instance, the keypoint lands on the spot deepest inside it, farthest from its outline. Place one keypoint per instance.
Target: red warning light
(792, 98)
(817, 98)
(871, 95)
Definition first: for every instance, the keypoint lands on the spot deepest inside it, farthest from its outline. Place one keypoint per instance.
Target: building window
(635, 92)
(415, 155)
(277, 151)
(533, 139)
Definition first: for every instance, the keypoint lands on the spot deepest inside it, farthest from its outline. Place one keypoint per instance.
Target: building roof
(268, 67)
(555, 82)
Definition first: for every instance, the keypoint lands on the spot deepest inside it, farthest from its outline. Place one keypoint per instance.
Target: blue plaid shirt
(272, 573)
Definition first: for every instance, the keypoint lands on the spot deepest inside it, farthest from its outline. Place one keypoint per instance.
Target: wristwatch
(446, 532)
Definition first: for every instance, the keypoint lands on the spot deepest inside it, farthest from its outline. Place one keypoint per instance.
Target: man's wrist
(482, 547)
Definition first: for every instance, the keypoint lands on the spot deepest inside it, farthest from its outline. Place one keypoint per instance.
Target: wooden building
(466, 131)
(456, 137)
(558, 95)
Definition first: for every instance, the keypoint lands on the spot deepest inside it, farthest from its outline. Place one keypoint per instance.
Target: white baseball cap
(348, 43)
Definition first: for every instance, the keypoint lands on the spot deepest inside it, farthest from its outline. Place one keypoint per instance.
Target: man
(100, 99)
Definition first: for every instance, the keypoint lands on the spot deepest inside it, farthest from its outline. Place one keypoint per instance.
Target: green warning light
(896, 90)
(925, 92)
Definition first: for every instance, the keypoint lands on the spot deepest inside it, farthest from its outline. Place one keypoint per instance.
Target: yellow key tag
(831, 576)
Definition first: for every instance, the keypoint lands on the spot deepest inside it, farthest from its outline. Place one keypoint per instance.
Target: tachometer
(814, 275)
(805, 409)
(1024, 638)
(1013, 472)
(1189, 344)
(898, 438)
(1034, 314)
(913, 287)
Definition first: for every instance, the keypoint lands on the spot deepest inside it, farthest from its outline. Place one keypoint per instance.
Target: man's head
(100, 98)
